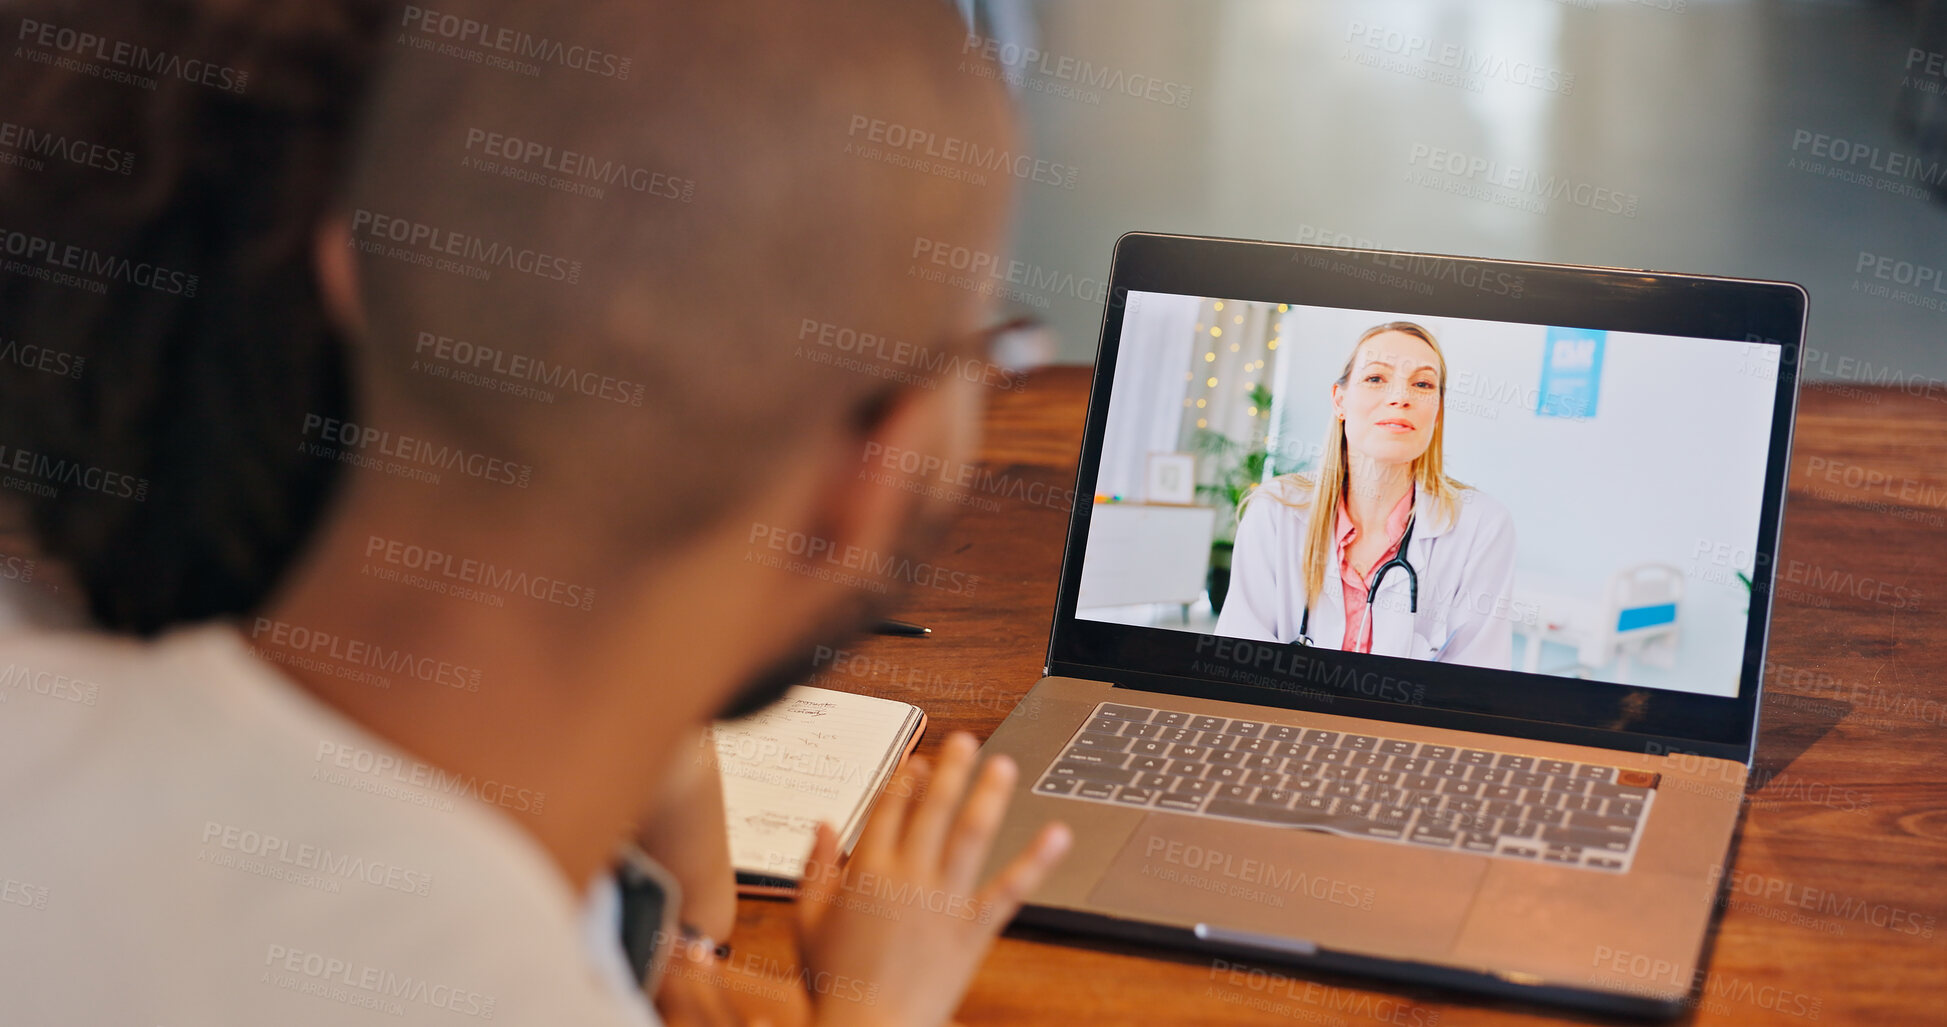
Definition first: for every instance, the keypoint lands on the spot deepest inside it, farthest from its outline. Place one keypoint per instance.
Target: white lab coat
(1466, 574)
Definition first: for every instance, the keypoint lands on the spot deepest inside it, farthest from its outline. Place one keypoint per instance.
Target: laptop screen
(1572, 501)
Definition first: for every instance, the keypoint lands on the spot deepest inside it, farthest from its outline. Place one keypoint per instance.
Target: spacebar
(1298, 818)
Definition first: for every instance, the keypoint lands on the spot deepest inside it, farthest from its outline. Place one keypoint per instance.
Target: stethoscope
(1379, 576)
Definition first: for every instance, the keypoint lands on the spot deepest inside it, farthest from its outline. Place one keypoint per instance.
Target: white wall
(1671, 466)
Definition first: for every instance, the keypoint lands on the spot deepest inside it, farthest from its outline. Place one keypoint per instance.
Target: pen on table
(900, 627)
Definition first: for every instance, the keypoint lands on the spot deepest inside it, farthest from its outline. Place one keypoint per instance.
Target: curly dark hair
(222, 175)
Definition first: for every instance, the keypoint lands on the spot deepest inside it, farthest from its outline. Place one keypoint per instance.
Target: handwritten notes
(817, 755)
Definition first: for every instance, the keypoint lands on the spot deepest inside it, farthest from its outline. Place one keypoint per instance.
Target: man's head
(577, 253)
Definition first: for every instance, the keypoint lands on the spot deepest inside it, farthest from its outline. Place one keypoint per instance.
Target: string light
(1210, 383)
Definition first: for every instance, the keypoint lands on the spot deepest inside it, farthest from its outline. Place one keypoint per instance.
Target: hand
(895, 937)
(696, 991)
(688, 835)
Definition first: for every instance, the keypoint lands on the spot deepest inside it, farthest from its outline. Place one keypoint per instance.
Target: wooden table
(1835, 898)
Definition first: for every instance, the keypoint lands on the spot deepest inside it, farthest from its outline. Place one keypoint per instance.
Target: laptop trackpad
(1349, 894)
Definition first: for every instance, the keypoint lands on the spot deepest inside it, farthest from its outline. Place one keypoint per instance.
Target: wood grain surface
(1833, 905)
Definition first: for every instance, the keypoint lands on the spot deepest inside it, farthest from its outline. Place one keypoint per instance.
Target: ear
(335, 259)
(1338, 401)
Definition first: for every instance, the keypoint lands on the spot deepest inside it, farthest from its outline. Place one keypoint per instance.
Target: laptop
(1496, 740)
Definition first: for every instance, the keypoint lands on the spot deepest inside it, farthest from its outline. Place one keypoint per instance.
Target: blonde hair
(1323, 490)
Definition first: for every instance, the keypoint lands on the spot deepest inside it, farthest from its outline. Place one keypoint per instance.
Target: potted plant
(1235, 468)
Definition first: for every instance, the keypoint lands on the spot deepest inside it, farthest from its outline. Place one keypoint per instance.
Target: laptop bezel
(1414, 691)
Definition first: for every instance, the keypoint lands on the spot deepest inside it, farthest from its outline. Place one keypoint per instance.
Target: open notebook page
(815, 755)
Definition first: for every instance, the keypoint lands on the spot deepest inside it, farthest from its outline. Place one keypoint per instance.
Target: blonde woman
(1405, 561)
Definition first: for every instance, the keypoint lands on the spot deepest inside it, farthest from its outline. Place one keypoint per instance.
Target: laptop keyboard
(1363, 786)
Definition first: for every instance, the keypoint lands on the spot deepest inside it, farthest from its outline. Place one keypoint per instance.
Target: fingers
(888, 821)
(973, 830)
(1023, 874)
(690, 995)
(820, 879)
(930, 819)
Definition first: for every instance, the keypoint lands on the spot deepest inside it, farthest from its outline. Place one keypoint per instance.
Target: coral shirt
(1358, 626)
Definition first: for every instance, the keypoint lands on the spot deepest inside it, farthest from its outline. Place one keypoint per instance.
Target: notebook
(816, 755)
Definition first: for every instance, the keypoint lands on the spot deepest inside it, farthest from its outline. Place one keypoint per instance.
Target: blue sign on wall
(1571, 372)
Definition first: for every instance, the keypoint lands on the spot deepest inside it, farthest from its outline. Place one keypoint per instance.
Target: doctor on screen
(1343, 580)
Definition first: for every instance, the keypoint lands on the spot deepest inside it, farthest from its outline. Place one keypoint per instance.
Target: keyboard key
(1515, 762)
(1129, 795)
(1476, 757)
(1554, 768)
(1583, 804)
(1186, 768)
(1465, 788)
(1562, 856)
(1502, 793)
(1118, 712)
(1599, 840)
(1490, 775)
(1609, 791)
(1519, 852)
(1188, 752)
(1114, 759)
(1209, 723)
(1159, 781)
(1099, 742)
(1425, 834)
(1475, 841)
(1625, 808)
(1213, 740)
(1149, 764)
(1397, 748)
(1275, 797)
(1332, 755)
(1143, 730)
(1224, 774)
(1283, 732)
(1255, 745)
(1437, 752)
(1419, 783)
(1091, 772)
(1105, 725)
(1336, 772)
(1187, 804)
(1168, 719)
(1527, 779)
(1605, 862)
(1294, 750)
(1408, 765)
(1172, 734)
(1096, 790)
(1192, 786)
(1595, 773)
(1149, 747)
(1264, 778)
(1245, 728)
(1366, 759)
(1227, 758)
(1241, 793)
(1388, 778)
(1441, 768)
(1322, 738)
(1360, 742)
(1597, 822)
(1262, 763)
(1056, 786)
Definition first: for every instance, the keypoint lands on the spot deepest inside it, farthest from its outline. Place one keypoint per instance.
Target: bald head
(590, 235)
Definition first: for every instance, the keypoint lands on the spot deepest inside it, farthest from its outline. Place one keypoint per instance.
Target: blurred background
(1803, 140)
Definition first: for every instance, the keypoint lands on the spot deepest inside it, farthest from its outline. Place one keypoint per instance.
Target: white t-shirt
(188, 839)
